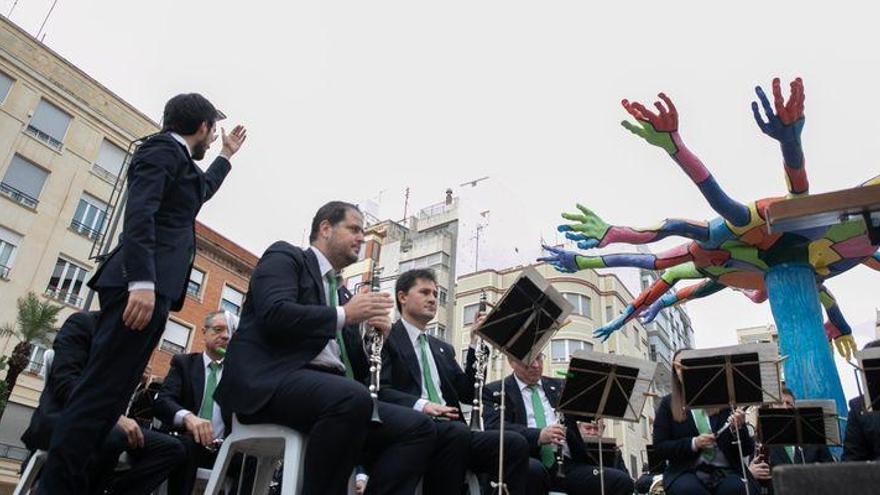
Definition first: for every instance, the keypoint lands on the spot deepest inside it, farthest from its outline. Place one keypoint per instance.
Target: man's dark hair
(408, 279)
(787, 391)
(334, 212)
(185, 113)
(872, 344)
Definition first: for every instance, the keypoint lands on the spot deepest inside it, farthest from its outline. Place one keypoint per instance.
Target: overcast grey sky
(350, 99)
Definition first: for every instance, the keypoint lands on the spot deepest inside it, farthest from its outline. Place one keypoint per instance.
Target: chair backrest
(48, 357)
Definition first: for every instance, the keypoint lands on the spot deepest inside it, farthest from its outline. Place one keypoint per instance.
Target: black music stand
(519, 326)
(608, 446)
(729, 377)
(600, 385)
(808, 423)
(869, 368)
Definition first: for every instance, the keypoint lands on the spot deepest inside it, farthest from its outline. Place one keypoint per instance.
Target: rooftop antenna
(479, 230)
(405, 204)
(54, 3)
(12, 8)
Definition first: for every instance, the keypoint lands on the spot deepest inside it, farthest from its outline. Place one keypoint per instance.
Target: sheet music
(829, 410)
(768, 367)
(638, 396)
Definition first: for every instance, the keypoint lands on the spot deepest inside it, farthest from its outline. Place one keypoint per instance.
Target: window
(5, 86)
(582, 304)
(636, 338)
(436, 330)
(653, 353)
(175, 339)
(441, 296)
(23, 182)
(609, 313)
(634, 467)
(561, 349)
(436, 260)
(470, 312)
(67, 282)
(644, 422)
(196, 279)
(9, 242)
(89, 218)
(110, 160)
(232, 300)
(35, 361)
(49, 124)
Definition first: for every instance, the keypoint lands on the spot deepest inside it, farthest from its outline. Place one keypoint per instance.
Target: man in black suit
(143, 278)
(298, 360)
(531, 400)
(862, 441)
(186, 402)
(152, 454)
(779, 455)
(419, 372)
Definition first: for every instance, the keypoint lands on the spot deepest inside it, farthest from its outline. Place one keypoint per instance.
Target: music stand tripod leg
(601, 463)
(739, 447)
(500, 487)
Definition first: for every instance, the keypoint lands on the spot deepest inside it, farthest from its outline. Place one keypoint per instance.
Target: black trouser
(182, 480)
(150, 464)
(723, 482)
(580, 479)
(116, 361)
(459, 449)
(334, 412)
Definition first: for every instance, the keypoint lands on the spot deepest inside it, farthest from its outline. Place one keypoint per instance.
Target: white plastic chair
(470, 479)
(31, 471)
(268, 443)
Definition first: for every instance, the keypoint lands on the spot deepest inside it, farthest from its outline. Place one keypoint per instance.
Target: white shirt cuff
(361, 477)
(141, 285)
(227, 157)
(340, 318)
(420, 405)
(694, 444)
(179, 415)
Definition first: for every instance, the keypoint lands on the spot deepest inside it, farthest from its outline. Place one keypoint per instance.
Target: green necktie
(332, 302)
(703, 426)
(789, 449)
(548, 455)
(207, 410)
(433, 396)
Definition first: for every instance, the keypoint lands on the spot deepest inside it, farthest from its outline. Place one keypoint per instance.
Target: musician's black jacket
(516, 419)
(808, 454)
(401, 381)
(166, 190)
(71, 355)
(183, 389)
(672, 440)
(285, 323)
(862, 441)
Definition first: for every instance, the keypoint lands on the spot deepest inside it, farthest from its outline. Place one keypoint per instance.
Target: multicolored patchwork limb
(662, 130)
(873, 261)
(648, 297)
(837, 329)
(785, 125)
(590, 231)
(696, 291)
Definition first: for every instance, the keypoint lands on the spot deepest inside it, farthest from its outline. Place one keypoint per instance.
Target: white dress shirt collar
(177, 137)
(523, 385)
(412, 330)
(324, 265)
(207, 360)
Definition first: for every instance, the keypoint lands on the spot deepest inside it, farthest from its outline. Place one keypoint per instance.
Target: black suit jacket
(808, 454)
(183, 389)
(401, 381)
(71, 355)
(672, 440)
(862, 441)
(285, 323)
(166, 190)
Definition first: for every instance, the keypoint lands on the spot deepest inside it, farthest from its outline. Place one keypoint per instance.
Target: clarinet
(762, 451)
(376, 339)
(481, 365)
(559, 452)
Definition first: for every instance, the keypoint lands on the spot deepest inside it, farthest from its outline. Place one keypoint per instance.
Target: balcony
(45, 138)
(4, 272)
(64, 296)
(104, 174)
(18, 196)
(85, 230)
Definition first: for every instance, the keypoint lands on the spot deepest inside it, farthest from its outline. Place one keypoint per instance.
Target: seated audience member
(152, 454)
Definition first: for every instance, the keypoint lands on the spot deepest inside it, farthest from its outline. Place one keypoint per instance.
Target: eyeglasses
(216, 329)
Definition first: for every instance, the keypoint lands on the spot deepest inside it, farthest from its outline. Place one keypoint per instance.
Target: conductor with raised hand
(142, 279)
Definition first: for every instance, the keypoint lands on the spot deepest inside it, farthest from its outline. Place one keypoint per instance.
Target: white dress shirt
(217, 424)
(413, 332)
(329, 357)
(549, 413)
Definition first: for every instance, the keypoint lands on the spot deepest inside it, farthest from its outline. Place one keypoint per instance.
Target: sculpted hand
(588, 230)
(562, 260)
(656, 129)
(787, 122)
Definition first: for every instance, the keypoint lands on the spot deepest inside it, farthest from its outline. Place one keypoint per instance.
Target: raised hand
(603, 333)
(655, 128)
(588, 230)
(562, 260)
(787, 122)
(232, 142)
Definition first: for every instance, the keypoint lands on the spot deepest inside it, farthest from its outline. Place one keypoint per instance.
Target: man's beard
(200, 149)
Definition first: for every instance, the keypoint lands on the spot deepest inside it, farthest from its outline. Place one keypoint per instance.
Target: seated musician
(699, 461)
(186, 402)
(531, 399)
(419, 371)
(591, 431)
(862, 428)
(152, 454)
(778, 455)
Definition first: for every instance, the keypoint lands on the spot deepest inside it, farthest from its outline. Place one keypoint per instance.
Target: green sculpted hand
(588, 230)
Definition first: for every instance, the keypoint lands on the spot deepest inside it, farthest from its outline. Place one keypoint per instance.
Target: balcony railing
(35, 367)
(42, 136)
(193, 289)
(64, 296)
(171, 347)
(4, 272)
(16, 195)
(104, 174)
(85, 230)
(12, 452)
